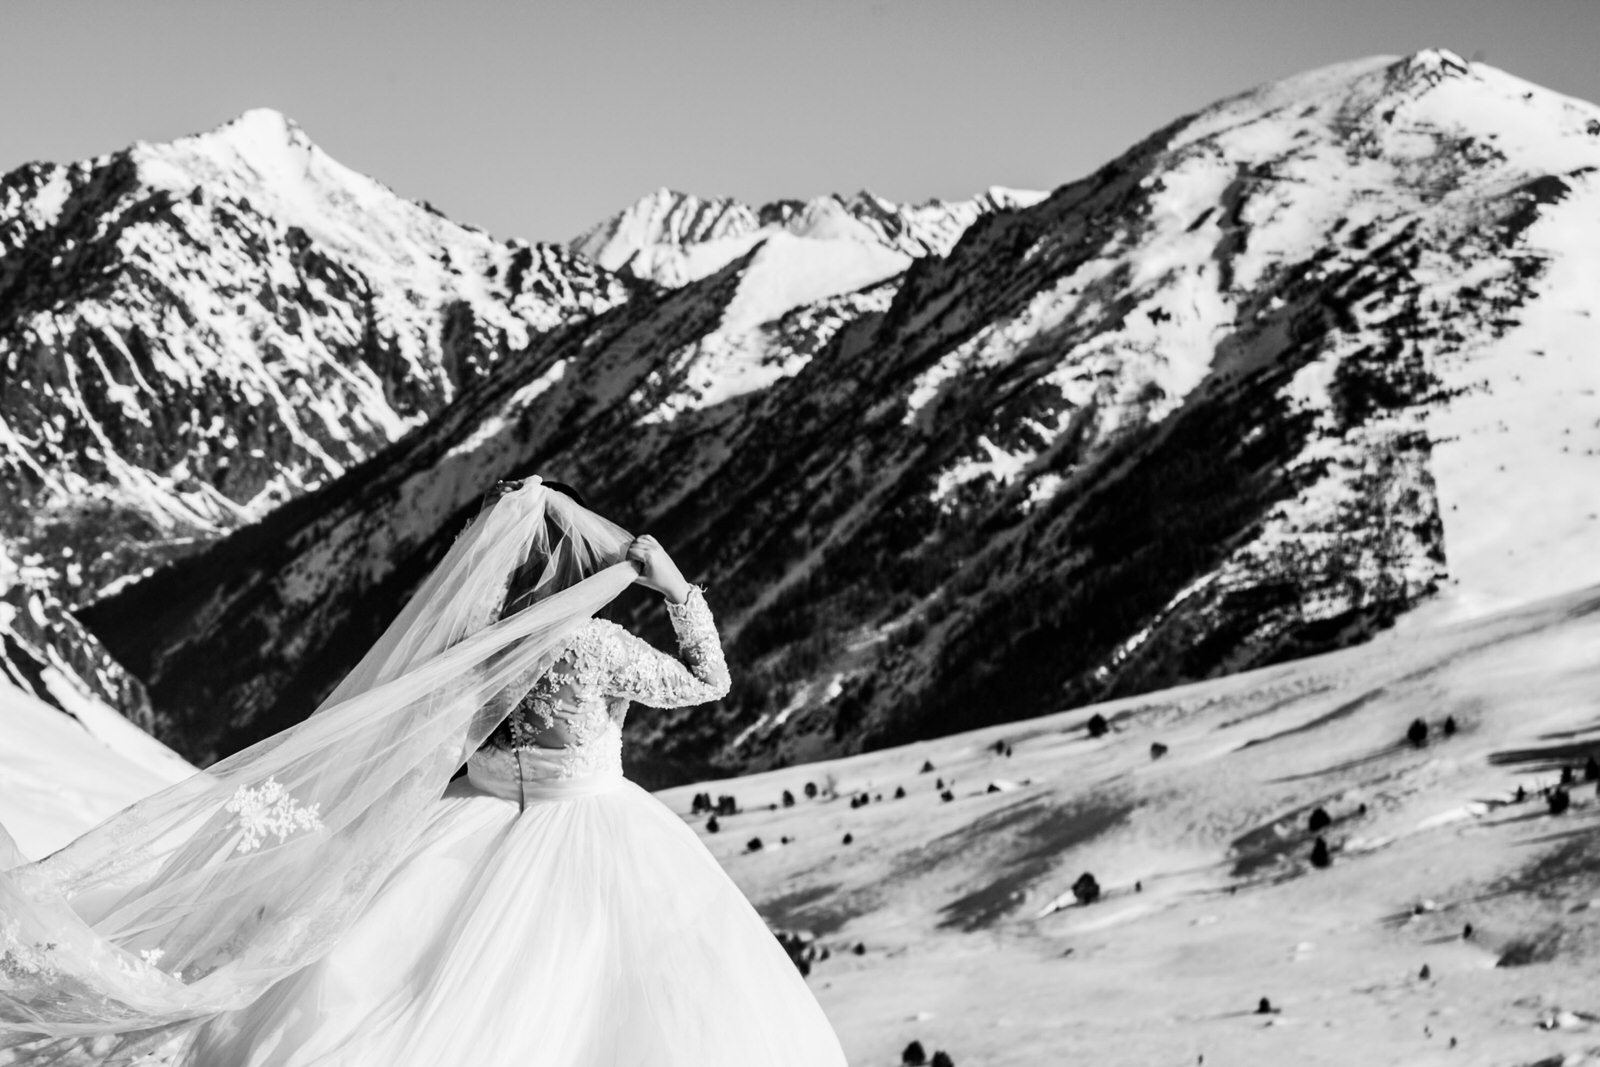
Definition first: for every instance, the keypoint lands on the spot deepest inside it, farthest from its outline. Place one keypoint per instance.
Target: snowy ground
(1209, 901)
(60, 776)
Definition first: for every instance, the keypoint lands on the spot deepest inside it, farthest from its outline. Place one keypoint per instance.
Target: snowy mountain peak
(673, 238)
(261, 126)
(1437, 62)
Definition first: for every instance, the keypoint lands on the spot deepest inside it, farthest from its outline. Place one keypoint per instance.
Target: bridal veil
(195, 900)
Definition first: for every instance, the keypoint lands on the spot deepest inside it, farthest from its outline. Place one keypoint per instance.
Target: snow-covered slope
(1454, 924)
(61, 775)
(672, 238)
(194, 332)
(1234, 398)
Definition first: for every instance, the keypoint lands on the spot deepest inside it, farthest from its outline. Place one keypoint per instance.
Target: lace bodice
(568, 720)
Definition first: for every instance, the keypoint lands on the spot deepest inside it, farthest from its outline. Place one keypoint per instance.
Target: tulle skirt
(589, 930)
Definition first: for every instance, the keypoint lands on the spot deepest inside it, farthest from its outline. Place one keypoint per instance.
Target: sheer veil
(195, 900)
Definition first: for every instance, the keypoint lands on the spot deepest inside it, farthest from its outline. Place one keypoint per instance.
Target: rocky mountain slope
(194, 332)
(1254, 389)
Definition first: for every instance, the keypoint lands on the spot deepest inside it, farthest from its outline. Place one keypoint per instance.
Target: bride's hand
(504, 488)
(656, 569)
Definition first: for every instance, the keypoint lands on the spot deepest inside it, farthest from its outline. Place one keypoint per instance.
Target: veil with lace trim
(195, 900)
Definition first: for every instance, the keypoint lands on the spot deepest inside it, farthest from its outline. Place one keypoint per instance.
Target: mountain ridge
(672, 238)
(1224, 401)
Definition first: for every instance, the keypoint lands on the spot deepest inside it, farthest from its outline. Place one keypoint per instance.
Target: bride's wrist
(677, 594)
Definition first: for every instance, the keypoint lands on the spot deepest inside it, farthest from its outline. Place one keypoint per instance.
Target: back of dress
(567, 723)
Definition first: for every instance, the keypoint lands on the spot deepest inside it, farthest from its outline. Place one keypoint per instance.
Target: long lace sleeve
(699, 673)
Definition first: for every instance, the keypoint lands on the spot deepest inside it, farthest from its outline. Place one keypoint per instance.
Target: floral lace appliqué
(21, 961)
(270, 809)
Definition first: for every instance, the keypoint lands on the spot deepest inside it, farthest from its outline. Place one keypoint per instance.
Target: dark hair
(567, 490)
(521, 584)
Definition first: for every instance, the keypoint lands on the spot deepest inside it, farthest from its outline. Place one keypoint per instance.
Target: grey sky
(536, 119)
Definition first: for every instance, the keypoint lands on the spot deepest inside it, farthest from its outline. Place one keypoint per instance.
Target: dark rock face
(1012, 467)
(43, 648)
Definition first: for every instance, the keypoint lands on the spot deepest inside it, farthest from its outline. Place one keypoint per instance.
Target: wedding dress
(545, 910)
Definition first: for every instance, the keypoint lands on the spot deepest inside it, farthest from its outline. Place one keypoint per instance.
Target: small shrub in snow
(1086, 889)
(1320, 857)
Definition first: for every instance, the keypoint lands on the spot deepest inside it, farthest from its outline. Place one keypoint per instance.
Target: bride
(330, 896)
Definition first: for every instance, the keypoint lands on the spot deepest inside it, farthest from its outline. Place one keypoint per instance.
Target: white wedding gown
(552, 913)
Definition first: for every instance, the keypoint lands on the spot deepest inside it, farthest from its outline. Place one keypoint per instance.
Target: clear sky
(537, 119)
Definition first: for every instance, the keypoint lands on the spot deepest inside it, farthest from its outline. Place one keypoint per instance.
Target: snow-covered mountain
(192, 333)
(1291, 367)
(673, 238)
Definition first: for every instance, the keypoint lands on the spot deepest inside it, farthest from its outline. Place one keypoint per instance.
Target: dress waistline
(531, 790)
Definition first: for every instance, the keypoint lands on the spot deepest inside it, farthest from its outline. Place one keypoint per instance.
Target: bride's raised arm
(642, 672)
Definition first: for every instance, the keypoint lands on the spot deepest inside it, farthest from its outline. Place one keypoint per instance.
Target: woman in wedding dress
(540, 910)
